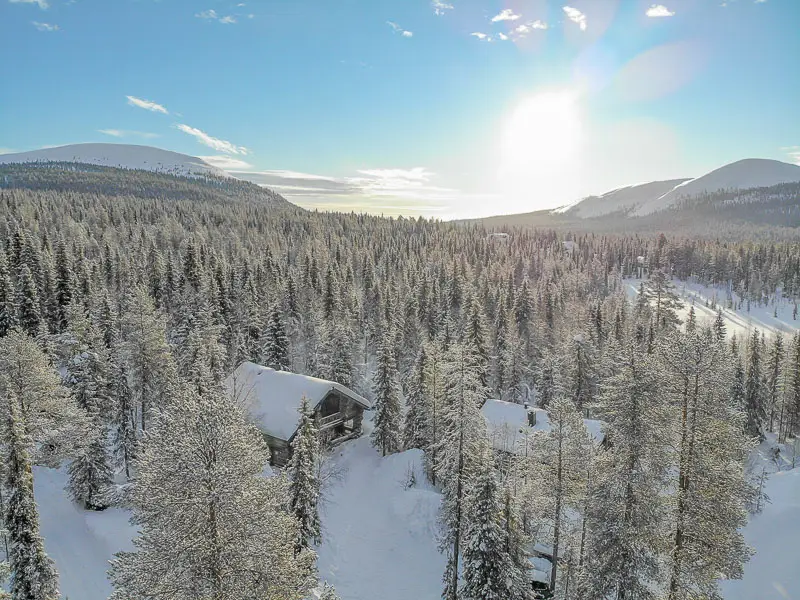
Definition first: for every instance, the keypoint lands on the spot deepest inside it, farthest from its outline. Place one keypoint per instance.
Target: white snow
(742, 174)
(621, 199)
(738, 321)
(273, 398)
(379, 537)
(509, 429)
(80, 542)
(126, 156)
(379, 534)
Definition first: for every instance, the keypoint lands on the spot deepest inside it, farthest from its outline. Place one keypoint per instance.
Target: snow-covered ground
(380, 534)
(740, 322)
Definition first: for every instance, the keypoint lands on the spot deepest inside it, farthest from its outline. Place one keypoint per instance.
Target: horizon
(442, 109)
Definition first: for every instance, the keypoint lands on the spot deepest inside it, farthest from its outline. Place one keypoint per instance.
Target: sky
(441, 108)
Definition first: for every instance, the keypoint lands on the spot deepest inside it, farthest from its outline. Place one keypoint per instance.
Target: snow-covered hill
(647, 198)
(743, 174)
(125, 156)
(622, 199)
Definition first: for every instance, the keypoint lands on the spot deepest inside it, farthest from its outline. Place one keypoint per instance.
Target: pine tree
(664, 302)
(557, 478)
(149, 363)
(462, 441)
(793, 396)
(489, 572)
(55, 426)
(625, 516)
(708, 487)
(304, 484)
(276, 343)
(209, 523)
(33, 574)
(388, 418)
(417, 429)
(123, 420)
(64, 285)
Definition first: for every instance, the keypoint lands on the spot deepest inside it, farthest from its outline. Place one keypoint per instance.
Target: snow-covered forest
(126, 299)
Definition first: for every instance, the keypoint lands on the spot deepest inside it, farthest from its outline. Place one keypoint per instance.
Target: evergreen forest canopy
(127, 297)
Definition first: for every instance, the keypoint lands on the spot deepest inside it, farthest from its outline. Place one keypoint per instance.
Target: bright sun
(540, 145)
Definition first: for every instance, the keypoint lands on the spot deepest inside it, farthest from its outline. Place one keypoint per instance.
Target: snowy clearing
(380, 535)
(737, 321)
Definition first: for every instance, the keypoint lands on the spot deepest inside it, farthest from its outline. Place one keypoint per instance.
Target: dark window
(330, 406)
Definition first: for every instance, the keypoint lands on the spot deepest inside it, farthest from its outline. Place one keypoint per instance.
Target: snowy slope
(621, 199)
(743, 174)
(126, 156)
(738, 321)
(80, 542)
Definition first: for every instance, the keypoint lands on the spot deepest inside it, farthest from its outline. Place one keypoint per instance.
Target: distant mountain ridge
(124, 156)
(648, 198)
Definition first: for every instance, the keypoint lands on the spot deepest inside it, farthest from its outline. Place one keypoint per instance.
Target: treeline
(125, 308)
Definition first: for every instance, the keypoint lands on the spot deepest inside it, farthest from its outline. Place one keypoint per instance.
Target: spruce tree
(276, 344)
(8, 310)
(29, 311)
(773, 379)
(386, 435)
(489, 571)
(664, 302)
(417, 429)
(755, 396)
(33, 573)
(304, 483)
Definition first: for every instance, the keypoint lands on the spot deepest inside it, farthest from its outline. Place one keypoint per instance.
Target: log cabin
(272, 400)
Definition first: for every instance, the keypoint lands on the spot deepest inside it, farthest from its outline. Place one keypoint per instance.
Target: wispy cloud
(227, 163)
(505, 15)
(43, 4)
(440, 7)
(400, 30)
(530, 26)
(793, 152)
(484, 37)
(121, 133)
(659, 10)
(7, 151)
(502, 36)
(212, 142)
(212, 15)
(45, 26)
(147, 105)
(576, 16)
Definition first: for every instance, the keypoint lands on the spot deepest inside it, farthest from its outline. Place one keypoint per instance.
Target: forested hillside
(127, 297)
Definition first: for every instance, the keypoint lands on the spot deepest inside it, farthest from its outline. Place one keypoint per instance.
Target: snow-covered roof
(509, 427)
(273, 398)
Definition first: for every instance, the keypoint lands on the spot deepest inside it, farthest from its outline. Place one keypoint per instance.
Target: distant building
(510, 425)
(499, 237)
(272, 400)
(569, 246)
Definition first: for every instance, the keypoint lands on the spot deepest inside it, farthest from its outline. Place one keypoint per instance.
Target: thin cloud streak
(43, 4)
(147, 105)
(212, 142)
(121, 133)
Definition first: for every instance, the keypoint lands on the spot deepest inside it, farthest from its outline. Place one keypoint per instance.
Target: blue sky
(444, 108)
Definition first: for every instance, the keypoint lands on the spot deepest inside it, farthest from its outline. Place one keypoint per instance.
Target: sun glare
(540, 143)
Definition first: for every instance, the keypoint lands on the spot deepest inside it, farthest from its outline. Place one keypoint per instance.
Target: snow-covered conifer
(304, 484)
(210, 524)
(276, 343)
(387, 435)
